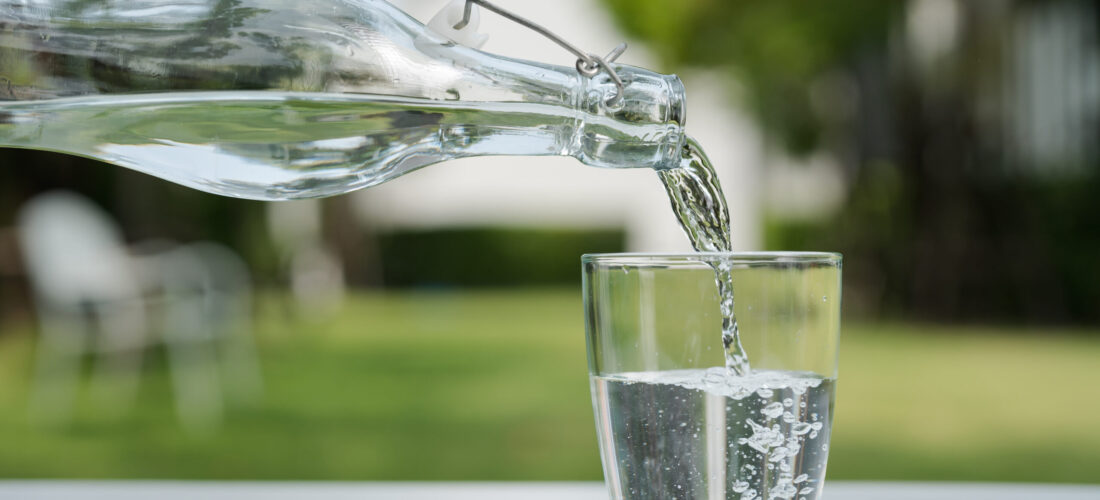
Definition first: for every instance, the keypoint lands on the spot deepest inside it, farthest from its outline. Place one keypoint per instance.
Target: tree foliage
(774, 48)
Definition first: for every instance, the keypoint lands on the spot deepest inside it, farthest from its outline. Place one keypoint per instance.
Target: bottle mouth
(677, 106)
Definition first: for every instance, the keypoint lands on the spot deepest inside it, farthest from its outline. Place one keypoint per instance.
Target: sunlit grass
(968, 403)
(493, 385)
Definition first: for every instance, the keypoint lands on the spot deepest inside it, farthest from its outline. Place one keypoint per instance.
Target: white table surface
(275, 490)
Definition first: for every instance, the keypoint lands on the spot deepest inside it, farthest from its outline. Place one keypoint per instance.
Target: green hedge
(490, 256)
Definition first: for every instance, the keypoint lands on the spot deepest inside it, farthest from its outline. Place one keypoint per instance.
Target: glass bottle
(281, 99)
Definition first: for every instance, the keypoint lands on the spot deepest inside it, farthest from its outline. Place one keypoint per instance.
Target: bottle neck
(643, 129)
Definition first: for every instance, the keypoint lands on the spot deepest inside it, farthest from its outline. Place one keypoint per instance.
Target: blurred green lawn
(492, 385)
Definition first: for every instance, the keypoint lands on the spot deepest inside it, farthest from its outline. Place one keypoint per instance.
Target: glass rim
(649, 258)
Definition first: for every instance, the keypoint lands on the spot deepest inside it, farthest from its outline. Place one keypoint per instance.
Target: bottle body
(278, 99)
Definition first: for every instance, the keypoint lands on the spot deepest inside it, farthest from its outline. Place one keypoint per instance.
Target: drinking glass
(673, 421)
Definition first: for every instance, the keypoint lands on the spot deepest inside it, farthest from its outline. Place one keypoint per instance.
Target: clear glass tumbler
(673, 421)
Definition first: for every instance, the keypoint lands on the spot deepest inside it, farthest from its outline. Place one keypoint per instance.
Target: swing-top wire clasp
(588, 64)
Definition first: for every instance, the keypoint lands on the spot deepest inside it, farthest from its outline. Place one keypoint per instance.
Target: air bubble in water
(783, 490)
(773, 410)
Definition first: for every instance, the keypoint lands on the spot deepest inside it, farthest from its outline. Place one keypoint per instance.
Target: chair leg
(239, 360)
(195, 383)
(58, 353)
(192, 360)
(122, 340)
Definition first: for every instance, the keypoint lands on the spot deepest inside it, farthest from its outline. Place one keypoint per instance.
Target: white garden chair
(93, 297)
(87, 300)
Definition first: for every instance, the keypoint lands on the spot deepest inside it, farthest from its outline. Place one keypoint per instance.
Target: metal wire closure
(588, 64)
